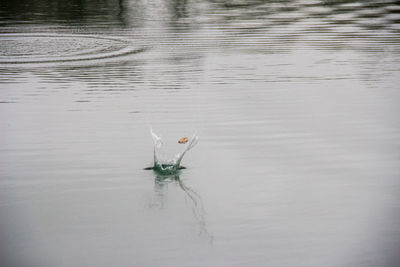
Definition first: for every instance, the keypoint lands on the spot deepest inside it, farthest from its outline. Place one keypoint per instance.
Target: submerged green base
(165, 169)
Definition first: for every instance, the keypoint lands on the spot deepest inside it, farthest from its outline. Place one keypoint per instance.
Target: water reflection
(194, 27)
(179, 8)
(161, 184)
(66, 12)
(317, 22)
(258, 14)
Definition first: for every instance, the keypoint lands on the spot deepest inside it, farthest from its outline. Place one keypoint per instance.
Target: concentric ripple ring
(52, 48)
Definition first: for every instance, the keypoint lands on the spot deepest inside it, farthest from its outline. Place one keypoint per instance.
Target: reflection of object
(196, 203)
(165, 165)
(183, 140)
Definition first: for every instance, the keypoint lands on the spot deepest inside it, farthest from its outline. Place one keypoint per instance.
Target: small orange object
(183, 140)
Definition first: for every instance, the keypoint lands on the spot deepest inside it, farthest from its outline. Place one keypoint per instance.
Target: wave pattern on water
(61, 48)
(325, 24)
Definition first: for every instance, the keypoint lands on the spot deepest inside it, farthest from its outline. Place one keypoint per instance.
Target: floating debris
(183, 140)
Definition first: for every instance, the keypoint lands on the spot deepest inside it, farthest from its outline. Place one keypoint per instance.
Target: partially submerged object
(170, 166)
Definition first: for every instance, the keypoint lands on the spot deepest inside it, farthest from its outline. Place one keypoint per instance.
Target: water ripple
(59, 48)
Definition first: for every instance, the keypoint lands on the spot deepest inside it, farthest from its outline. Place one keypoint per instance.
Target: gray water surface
(296, 104)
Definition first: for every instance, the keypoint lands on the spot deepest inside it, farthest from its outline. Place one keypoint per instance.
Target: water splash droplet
(166, 165)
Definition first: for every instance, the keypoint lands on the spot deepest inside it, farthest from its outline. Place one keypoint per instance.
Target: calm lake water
(296, 104)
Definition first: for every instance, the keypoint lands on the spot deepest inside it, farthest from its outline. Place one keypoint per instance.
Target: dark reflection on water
(110, 12)
(202, 27)
(318, 15)
(179, 9)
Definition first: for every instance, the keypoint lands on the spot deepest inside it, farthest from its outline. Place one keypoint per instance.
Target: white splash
(163, 164)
